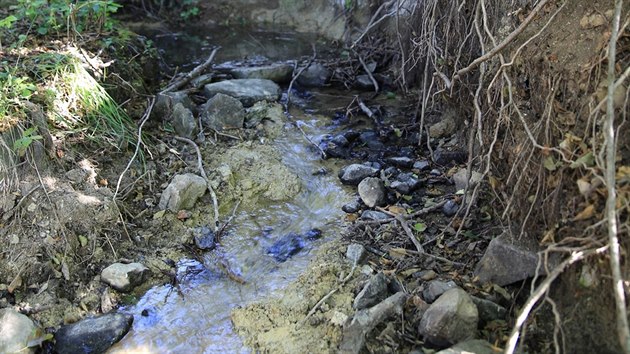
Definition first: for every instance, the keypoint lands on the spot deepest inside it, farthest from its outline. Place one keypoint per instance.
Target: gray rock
(205, 238)
(277, 72)
(16, 331)
(443, 128)
(476, 346)
(364, 82)
(184, 122)
(451, 319)
(373, 215)
(401, 161)
(124, 277)
(355, 173)
(371, 140)
(166, 102)
(372, 293)
(507, 261)
(351, 207)
(316, 75)
(92, 335)
(372, 192)
(340, 140)
(202, 80)
(421, 165)
(248, 91)
(222, 112)
(182, 192)
(435, 288)
(445, 157)
(450, 208)
(488, 310)
(405, 183)
(355, 253)
(460, 179)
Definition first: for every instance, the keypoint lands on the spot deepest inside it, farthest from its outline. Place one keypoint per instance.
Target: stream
(196, 317)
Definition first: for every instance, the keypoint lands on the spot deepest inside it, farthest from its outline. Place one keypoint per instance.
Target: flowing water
(197, 318)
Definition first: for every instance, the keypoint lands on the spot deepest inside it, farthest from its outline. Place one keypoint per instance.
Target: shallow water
(197, 320)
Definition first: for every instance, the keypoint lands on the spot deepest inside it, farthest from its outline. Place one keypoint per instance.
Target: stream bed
(195, 317)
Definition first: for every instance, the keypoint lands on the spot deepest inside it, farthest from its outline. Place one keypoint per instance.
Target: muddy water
(196, 317)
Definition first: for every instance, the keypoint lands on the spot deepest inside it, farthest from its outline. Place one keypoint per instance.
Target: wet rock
(166, 102)
(289, 245)
(351, 207)
(405, 183)
(205, 239)
(443, 128)
(355, 253)
(488, 310)
(364, 82)
(507, 261)
(372, 293)
(182, 192)
(451, 319)
(202, 80)
(372, 192)
(445, 157)
(450, 208)
(421, 165)
(335, 150)
(373, 215)
(340, 140)
(402, 161)
(124, 277)
(316, 75)
(435, 288)
(16, 331)
(355, 173)
(460, 178)
(277, 72)
(184, 122)
(92, 335)
(269, 115)
(476, 346)
(371, 140)
(248, 91)
(364, 321)
(222, 112)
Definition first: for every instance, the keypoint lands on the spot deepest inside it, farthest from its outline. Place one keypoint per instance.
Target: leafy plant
(189, 9)
(21, 145)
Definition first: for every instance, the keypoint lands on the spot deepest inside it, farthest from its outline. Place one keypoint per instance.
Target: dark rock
(435, 172)
(405, 183)
(351, 135)
(205, 239)
(372, 293)
(184, 122)
(124, 277)
(488, 310)
(291, 244)
(476, 346)
(391, 171)
(371, 140)
(222, 112)
(373, 215)
(445, 157)
(451, 319)
(313, 234)
(450, 208)
(316, 75)
(248, 91)
(372, 192)
(435, 288)
(507, 261)
(364, 82)
(355, 173)
(401, 161)
(355, 253)
(92, 335)
(421, 165)
(182, 192)
(334, 150)
(340, 140)
(351, 207)
(277, 72)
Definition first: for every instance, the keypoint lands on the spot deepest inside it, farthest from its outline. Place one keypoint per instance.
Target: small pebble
(450, 208)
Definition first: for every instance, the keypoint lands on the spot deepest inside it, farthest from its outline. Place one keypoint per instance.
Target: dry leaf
(585, 214)
(584, 186)
(16, 283)
(65, 270)
(549, 237)
(397, 210)
(398, 253)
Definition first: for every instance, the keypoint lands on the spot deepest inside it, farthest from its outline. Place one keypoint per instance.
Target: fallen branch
(405, 227)
(322, 152)
(295, 77)
(193, 74)
(367, 71)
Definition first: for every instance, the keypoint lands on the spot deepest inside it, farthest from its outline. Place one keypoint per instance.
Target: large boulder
(92, 335)
(248, 91)
(372, 192)
(451, 319)
(355, 173)
(124, 277)
(182, 192)
(507, 261)
(222, 112)
(16, 331)
(316, 75)
(276, 72)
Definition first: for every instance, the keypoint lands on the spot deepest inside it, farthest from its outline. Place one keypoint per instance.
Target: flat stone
(401, 161)
(222, 112)
(364, 82)
(507, 261)
(316, 75)
(182, 192)
(435, 288)
(248, 91)
(372, 293)
(277, 72)
(16, 331)
(372, 192)
(355, 253)
(421, 165)
(476, 346)
(373, 215)
(461, 181)
(183, 121)
(355, 173)
(92, 335)
(124, 277)
(451, 319)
